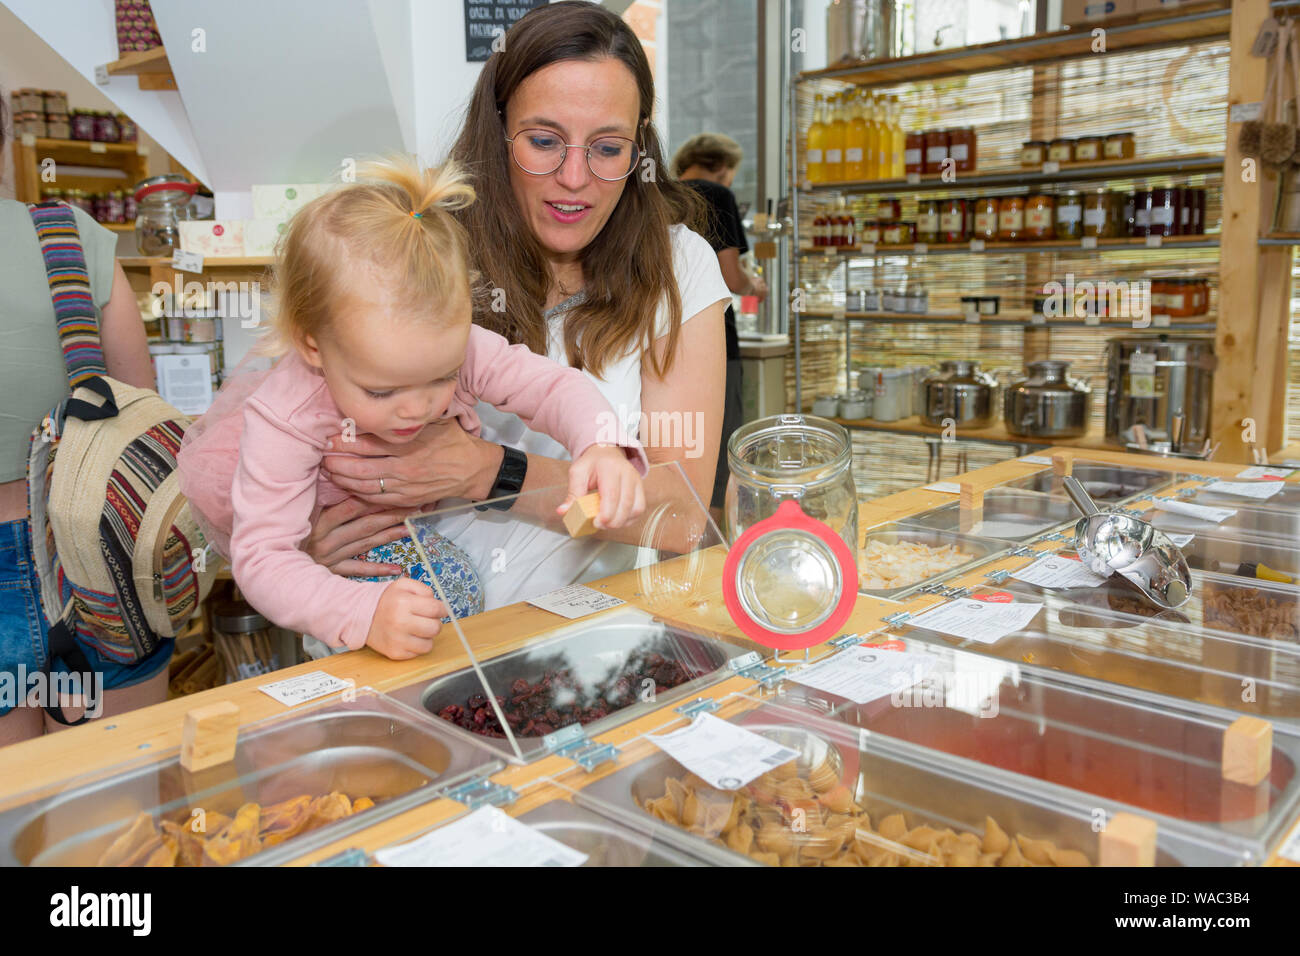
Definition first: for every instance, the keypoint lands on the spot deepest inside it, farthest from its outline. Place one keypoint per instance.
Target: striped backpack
(120, 558)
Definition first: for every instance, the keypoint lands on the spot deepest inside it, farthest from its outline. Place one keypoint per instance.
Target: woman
(707, 163)
(585, 255)
(32, 381)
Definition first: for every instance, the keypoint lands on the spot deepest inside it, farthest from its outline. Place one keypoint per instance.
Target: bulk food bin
(294, 785)
(1008, 514)
(638, 640)
(1085, 739)
(863, 799)
(1253, 557)
(895, 555)
(1104, 482)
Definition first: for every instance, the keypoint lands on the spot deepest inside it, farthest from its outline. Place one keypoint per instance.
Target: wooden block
(209, 736)
(1248, 751)
(1128, 840)
(970, 498)
(581, 517)
(1062, 463)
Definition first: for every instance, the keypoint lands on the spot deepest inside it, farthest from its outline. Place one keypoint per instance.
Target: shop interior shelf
(1199, 22)
(1010, 319)
(210, 262)
(1125, 244)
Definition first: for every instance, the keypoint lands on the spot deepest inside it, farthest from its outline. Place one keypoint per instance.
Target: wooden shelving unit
(226, 262)
(994, 434)
(1010, 319)
(131, 159)
(150, 67)
(997, 247)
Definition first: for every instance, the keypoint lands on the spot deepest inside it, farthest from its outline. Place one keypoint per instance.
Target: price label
(575, 601)
(726, 756)
(1038, 319)
(1160, 321)
(1266, 471)
(1088, 242)
(972, 318)
(1143, 363)
(183, 261)
(28, 140)
(305, 687)
(486, 837)
(913, 179)
(99, 147)
(1246, 489)
(1051, 167)
(101, 74)
(920, 248)
(1155, 242)
(1036, 460)
(868, 248)
(1092, 318)
(1199, 512)
(1057, 571)
(977, 245)
(838, 312)
(830, 253)
(947, 487)
(863, 675)
(977, 620)
(1245, 112)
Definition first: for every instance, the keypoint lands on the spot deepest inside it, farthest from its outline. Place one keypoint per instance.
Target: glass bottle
(877, 137)
(857, 146)
(835, 140)
(814, 150)
(895, 165)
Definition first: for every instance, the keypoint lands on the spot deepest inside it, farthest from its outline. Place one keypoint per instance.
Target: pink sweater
(279, 486)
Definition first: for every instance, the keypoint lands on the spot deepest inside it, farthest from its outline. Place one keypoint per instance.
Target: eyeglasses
(540, 152)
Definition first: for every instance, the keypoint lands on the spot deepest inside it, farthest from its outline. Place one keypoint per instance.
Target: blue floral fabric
(455, 571)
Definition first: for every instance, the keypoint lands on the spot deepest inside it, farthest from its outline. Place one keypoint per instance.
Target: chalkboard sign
(486, 20)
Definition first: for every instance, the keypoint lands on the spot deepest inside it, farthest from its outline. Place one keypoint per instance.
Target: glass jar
(1088, 149)
(127, 132)
(961, 148)
(1163, 213)
(954, 224)
(1069, 215)
(1011, 217)
(826, 405)
(1186, 200)
(1039, 215)
(914, 153)
(115, 208)
(870, 231)
(936, 149)
(1061, 150)
(893, 398)
(1128, 214)
(1199, 223)
(106, 130)
(985, 218)
(927, 221)
(856, 404)
(888, 210)
(897, 234)
(1033, 153)
(918, 300)
(1120, 146)
(792, 457)
(1177, 300)
(58, 126)
(1099, 217)
(1141, 212)
(83, 124)
(244, 640)
(1159, 291)
(160, 200)
(99, 207)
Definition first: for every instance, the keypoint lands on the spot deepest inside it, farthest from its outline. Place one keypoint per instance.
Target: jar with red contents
(984, 218)
(106, 130)
(961, 148)
(83, 124)
(1162, 219)
(927, 221)
(888, 210)
(954, 222)
(936, 150)
(1039, 216)
(914, 153)
(1011, 218)
(1141, 212)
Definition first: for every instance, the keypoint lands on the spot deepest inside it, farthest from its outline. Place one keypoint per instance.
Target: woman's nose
(574, 171)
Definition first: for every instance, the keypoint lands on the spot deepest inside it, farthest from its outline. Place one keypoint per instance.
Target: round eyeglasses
(540, 152)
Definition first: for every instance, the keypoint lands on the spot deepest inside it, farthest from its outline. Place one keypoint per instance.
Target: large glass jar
(1162, 220)
(1100, 214)
(1088, 149)
(954, 223)
(797, 457)
(160, 203)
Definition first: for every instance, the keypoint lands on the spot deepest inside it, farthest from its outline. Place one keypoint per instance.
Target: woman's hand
(442, 461)
(622, 496)
(352, 527)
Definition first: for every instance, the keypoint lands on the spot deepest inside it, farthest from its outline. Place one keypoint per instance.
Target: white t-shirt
(518, 558)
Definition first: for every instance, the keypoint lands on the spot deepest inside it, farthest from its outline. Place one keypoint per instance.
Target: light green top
(32, 375)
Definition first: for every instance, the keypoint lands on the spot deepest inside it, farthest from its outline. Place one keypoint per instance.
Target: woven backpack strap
(74, 304)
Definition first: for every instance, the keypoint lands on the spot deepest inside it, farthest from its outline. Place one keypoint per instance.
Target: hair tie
(417, 215)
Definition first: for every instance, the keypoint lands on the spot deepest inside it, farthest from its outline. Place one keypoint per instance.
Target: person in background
(33, 380)
(707, 163)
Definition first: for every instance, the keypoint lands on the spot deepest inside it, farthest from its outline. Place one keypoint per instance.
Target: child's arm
(273, 497)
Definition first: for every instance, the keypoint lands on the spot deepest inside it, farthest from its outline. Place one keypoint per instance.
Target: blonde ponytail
(397, 218)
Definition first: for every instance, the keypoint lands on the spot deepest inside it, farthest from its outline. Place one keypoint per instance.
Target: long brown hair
(628, 268)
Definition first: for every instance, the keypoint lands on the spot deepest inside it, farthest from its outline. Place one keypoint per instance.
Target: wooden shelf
(29, 152)
(119, 226)
(151, 68)
(1069, 172)
(1126, 34)
(227, 262)
(995, 246)
(1021, 318)
(995, 433)
(84, 151)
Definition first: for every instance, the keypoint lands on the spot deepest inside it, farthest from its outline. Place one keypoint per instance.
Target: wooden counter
(49, 760)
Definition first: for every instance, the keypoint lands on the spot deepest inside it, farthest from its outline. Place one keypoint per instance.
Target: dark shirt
(724, 231)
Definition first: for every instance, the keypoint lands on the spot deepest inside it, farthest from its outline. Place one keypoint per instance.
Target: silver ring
(381, 486)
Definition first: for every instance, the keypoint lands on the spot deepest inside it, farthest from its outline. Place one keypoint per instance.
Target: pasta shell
(767, 859)
(1036, 851)
(1070, 858)
(893, 827)
(995, 838)
(823, 777)
(786, 771)
(741, 839)
(838, 799)
(775, 839)
(921, 838)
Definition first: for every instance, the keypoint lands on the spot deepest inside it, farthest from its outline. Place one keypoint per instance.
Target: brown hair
(628, 269)
(713, 151)
(373, 221)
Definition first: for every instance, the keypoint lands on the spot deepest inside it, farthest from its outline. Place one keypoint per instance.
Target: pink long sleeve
(273, 498)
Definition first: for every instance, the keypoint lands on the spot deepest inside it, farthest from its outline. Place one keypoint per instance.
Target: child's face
(388, 370)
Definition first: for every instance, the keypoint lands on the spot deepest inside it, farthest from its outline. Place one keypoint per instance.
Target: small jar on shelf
(914, 153)
(1142, 205)
(888, 209)
(1069, 215)
(83, 124)
(984, 220)
(927, 221)
(1100, 214)
(1033, 153)
(954, 221)
(1061, 150)
(1120, 146)
(1163, 217)
(1011, 218)
(961, 148)
(898, 234)
(1088, 149)
(1039, 215)
(936, 150)
(869, 232)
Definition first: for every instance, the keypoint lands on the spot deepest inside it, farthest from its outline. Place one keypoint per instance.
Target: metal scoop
(1109, 542)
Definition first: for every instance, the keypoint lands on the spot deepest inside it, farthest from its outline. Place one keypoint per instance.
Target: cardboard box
(261, 235)
(280, 201)
(1075, 12)
(213, 237)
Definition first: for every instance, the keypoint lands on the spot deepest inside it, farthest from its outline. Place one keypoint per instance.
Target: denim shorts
(23, 629)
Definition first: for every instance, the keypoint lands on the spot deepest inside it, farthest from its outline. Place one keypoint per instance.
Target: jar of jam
(106, 130)
(83, 124)
(1119, 146)
(897, 233)
(1098, 215)
(953, 221)
(1061, 150)
(1069, 215)
(1128, 214)
(914, 153)
(870, 231)
(116, 208)
(1177, 300)
(1141, 212)
(888, 210)
(1011, 217)
(129, 207)
(1088, 149)
(1033, 153)
(1194, 204)
(1163, 216)
(984, 218)
(1039, 215)
(1159, 291)
(961, 148)
(936, 150)
(126, 128)
(927, 221)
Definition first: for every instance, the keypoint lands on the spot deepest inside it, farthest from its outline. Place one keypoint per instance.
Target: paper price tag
(972, 318)
(141, 149)
(1160, 321)
(576, 600)
(838, 312)
(101, 74)
(1199, 512)
(187, 261)
(1143, 363)
(1274, 472)
(864, 674)
(831, 252)
(948, 487)
(726, 756)
(486, 837)
(1088, 242)
(1092, 318)
(1051, 167)
(298, 690)
(920, 248)
(1058, 571)
(28, 139)
(98, 147)
(1036, 460)
(867, 248)
(913, 179)
(1246, 489)
(977, 245)
(977, 620)
(1245, 112)
(1155, 242)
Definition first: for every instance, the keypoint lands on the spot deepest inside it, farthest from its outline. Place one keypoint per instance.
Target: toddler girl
(372, 321)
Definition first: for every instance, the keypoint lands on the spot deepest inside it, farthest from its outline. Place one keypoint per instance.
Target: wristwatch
(510, 478)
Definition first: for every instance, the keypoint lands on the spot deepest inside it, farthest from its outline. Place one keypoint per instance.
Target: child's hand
(406, 621)
(606, 468)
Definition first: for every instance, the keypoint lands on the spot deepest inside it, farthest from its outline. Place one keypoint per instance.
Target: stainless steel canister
(1047, 403)
(961, 392)
(1152, 382)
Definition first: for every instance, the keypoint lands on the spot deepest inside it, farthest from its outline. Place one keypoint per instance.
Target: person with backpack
(33, 380)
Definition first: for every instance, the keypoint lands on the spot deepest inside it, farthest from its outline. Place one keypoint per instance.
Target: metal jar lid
(236, 617)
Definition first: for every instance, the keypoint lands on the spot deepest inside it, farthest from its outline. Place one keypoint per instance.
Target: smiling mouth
(568, 207)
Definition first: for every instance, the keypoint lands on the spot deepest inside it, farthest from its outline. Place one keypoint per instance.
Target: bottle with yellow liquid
(857, 149)
(897, 139)
(877, 140)
(835, 140)
(815, 147)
